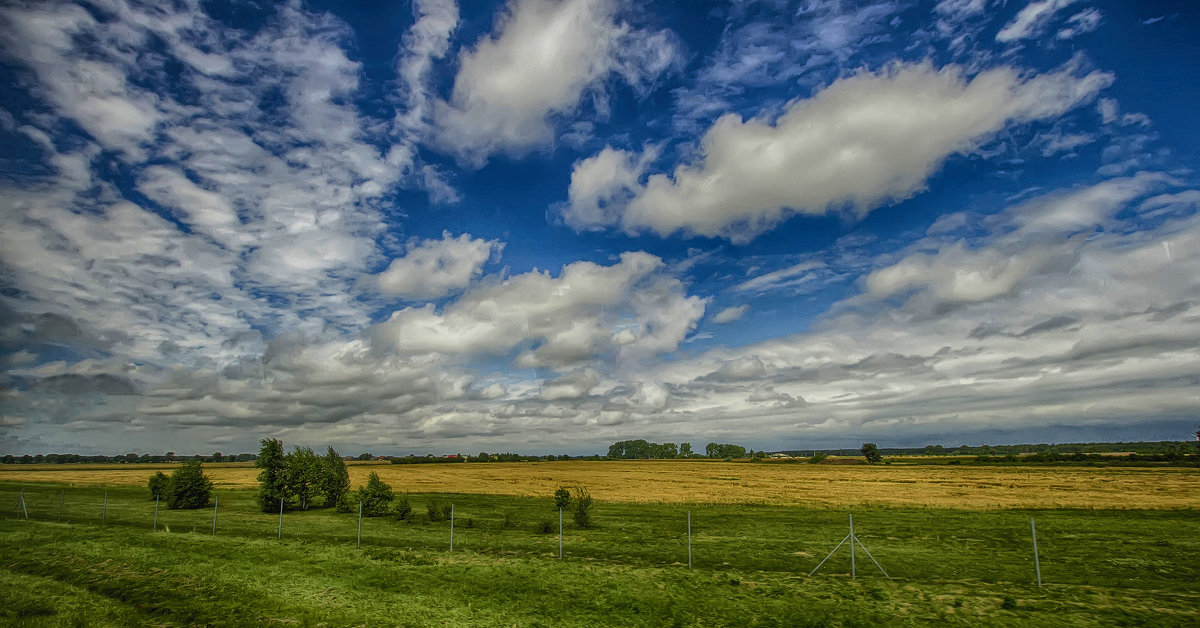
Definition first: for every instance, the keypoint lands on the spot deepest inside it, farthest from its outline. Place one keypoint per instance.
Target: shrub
(402, 510)
(562, 498)
(189, 487)
(438, 510)
(817, 457)
(375, 497)
(159, 485)
(345, 504)
(582, 510)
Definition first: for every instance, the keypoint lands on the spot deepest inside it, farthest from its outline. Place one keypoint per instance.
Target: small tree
(189, 487)
(159, 485)
(335, 479)
(562, 498)
(376, 496)
(871, 453)
(583, 507)
(303, 475)
(272, 480)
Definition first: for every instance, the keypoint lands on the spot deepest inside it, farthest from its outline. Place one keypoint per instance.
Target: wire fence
(1131, 548)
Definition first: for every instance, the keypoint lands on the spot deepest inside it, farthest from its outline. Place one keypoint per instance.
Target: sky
(544, 226)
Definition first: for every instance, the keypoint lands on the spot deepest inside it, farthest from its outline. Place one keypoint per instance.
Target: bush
(817, 457)
(159, 485)
(562, 498)
(582, 511)
(375, 497)
(345, 504)
(189, 487)
(402, 510)
(438, 510)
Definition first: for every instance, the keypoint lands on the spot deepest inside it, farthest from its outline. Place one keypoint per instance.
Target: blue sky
(544, 226)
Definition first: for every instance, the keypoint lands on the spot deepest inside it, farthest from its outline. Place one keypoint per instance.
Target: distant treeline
(1044, 449)
(641, 449)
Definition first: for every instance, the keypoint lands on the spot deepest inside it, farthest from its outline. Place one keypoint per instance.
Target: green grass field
(751, 565)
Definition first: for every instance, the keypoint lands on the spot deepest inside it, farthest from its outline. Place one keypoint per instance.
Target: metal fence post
(852, 571)
(689, 539)
(1036, 564)
(155, 527)
(560, 533)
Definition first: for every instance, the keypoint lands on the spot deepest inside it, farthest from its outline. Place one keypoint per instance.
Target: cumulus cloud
(540, 62)
(588, 310)
(864, 141)
(436, 268)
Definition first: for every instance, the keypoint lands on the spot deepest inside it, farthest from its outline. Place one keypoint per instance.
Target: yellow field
(963, 487)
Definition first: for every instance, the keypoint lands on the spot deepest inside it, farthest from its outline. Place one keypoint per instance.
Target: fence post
(451, 527)
(1036, 564)
(62, 497)
(689, 539)
(560, 533)
(155, 527)
(279, 535)
(359, 524)
(216, 502)
(104, 511)
(852, 571)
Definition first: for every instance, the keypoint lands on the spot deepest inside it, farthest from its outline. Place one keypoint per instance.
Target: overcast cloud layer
(546, 225)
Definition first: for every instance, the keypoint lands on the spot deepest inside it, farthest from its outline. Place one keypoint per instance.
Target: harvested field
(957, 487)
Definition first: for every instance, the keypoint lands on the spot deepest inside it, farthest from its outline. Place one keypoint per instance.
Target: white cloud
(864, 141)
(730, 314)
(435, 268)
(588, 311)
(1081, 23)
(541, 61)
(1032, 20)
(793, 275)
(1042, 233)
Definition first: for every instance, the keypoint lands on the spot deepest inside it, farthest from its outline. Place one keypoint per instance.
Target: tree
(685, 450)
(376, 496)
(303, 475)
(582, 511)
(871, 453)
(272, 480)
(159, 485)
(335, 479)
(189, 487)
(562, 498)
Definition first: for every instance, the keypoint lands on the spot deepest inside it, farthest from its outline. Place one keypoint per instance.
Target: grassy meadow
(1125, 558)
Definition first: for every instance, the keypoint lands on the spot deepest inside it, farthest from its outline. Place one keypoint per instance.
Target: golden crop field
(964, 487)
